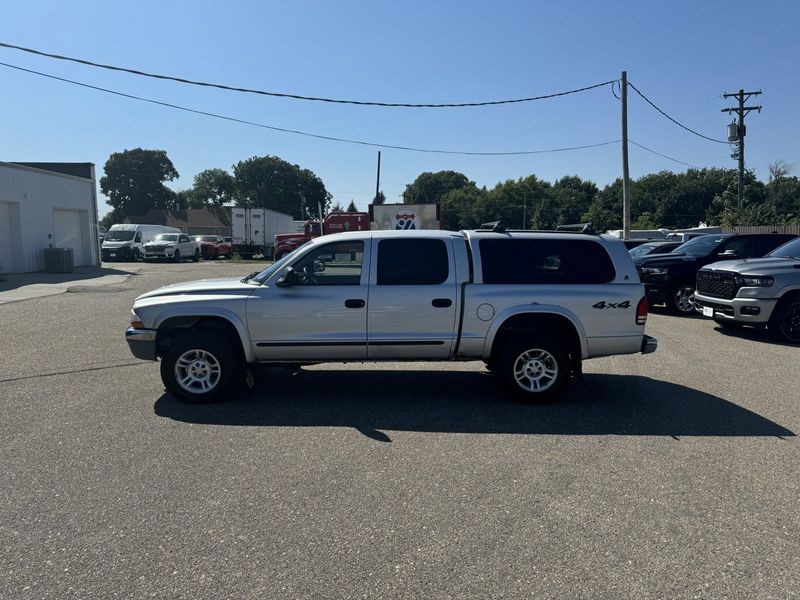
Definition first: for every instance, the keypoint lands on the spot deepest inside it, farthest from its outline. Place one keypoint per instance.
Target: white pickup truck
(172, 246)
(532, 306)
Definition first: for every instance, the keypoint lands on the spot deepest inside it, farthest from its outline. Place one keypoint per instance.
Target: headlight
(754, 281)
(654, 270)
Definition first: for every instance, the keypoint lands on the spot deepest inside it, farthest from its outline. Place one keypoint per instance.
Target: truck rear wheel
(196, 256)
(199, 368)
(534, 371)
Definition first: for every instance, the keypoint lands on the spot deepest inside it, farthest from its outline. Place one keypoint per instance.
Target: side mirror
(728, 254)
(288, 279)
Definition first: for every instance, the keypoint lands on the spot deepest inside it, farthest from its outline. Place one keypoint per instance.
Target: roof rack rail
(495, 226)
(585, 228)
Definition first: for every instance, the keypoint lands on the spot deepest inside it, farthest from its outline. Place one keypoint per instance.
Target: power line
(303, 133)
(296, 96)
(678, 123)
(663, 155)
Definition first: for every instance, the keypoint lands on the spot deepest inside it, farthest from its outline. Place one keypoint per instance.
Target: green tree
(271, 182)
(337, 208)
(462, 208)
(352, 206)
(380, 198)
(429, 188)
(134, 181)
(213, 187)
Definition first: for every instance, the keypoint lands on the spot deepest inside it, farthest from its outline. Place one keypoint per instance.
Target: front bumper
(755, 311)
(649, 344)
(142, 343)
(123, 253)
(156, 254)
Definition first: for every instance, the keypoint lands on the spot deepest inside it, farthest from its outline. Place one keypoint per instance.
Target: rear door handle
(441, 302)
(354, 303)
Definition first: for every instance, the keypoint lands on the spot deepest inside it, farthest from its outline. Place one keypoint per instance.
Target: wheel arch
(537, 318)
(224, 322)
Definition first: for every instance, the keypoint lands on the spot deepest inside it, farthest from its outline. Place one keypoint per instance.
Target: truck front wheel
(785, 322)
(534, 371)
(198, 368)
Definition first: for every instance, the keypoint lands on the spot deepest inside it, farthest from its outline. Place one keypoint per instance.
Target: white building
(47, 205)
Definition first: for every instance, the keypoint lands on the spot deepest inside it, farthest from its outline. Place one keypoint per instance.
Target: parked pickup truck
(532, 306)
(172, 246)
(760, 292)
(214, 246)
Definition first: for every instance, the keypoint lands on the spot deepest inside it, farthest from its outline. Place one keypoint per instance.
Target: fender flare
(534, 309)
(184, 311)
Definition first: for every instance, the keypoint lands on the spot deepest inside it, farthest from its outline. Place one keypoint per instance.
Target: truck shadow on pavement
(473, 402)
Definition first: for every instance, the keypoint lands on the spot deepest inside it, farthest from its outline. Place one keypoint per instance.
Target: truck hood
(664, 260)
(202, 287)
(757, 266)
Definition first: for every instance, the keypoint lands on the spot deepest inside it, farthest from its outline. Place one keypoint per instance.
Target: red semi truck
(336, 222)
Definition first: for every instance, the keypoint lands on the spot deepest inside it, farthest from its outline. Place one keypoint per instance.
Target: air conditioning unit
(58, 260)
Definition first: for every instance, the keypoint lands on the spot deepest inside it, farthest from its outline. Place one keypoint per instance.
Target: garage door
(67, 232)
(5, 236)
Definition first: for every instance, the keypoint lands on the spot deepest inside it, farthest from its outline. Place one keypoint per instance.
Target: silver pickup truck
(530, 305)
(758, 292)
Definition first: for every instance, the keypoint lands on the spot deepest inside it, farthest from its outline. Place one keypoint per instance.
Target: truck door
(323, 315)
(412, 299)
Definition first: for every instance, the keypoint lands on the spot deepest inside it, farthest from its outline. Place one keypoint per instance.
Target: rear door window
(542, 261)
(412, 261)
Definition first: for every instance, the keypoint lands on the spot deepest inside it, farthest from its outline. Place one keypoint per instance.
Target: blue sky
(683, 55)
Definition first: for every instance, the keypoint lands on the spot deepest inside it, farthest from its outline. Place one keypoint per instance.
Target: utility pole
(741, 111)
(626, 181)
(378, 182)
(524, 211)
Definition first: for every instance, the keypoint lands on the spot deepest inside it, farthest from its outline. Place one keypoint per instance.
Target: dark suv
(670, 279)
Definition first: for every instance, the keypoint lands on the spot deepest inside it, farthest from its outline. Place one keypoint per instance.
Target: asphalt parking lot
(671, 475)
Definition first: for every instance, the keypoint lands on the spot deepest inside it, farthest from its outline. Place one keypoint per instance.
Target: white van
(124, 242)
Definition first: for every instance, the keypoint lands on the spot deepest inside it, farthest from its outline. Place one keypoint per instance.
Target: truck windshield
(120, 235)
(267, 273)
(205, 238)
(701, 246)
(166, 237)
(788, 250)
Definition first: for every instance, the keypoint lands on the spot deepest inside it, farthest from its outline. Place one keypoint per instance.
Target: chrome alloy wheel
(684, 299)
(197, 371)
(535, 370)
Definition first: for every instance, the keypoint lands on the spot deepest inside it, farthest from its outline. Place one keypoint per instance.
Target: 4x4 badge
(604, 304)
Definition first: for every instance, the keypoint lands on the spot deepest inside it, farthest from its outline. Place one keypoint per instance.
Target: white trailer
(253, 230)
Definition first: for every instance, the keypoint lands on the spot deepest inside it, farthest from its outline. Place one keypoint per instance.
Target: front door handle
(354, 303)
(442, 302)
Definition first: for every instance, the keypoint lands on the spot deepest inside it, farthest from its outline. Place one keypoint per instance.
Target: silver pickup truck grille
(718, 285)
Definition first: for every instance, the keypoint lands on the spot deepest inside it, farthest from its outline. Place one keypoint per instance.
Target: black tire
(177, 256)
(523, 365)
(136, 255)
(680, 299)
(212, 366)
(725, 324)
(281, 254)
(196, 256)
(784, 325)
